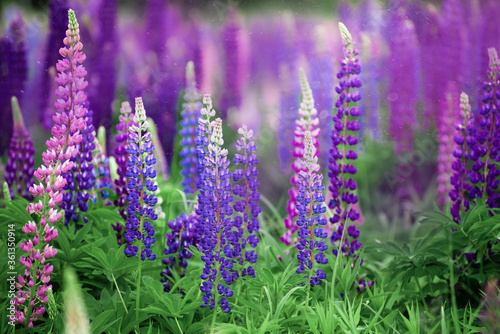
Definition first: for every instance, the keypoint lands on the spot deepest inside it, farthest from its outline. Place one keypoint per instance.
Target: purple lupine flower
(484, 174)
(402, 95)
(184, 234)
(343, 153)
(190, 114)
(464, 140)
(447, 121)
(219, 242)
(308, 121)
(311, 220)
(121, 155)
(231, 95)
(32, 286)
(13, 77)
(104, 75)
(19, 167)
(141, 187)
(248, 205)
(57, 27)
(81, 178)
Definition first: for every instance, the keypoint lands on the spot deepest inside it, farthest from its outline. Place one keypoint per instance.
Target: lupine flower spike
(141, 187)
(69, 121)
(123, 128)
(19, 168)
(190, 114)
(311, 220)
(219, 243)
(343, 154)
(464, 140)
(308, 121)
(246, 189)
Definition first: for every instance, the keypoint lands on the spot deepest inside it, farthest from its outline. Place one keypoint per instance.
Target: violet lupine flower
(484, 174)
(184, 234)
(141, 187)
(190, 114)
(81, 178)
(123, 128)
(231, 95)
(19, 167)
(464, 140)
(219, 242)
(69, 120)
(402, 96)
(308, 121)
(447, 121)
(248, 205)
(343, 153)
(311, 220)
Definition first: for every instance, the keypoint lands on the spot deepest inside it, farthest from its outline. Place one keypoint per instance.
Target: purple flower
(219, 241)
(141, 187)
(308, 121)
(343, 153)
(245, 188)
(190, 114)
(19, 167)
(311, 220)
(184, 234)
(32, 285)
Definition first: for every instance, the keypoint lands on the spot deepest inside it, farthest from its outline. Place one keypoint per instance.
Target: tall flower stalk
(19, 167)
(69, 121)
(219, 241)
(308, 121)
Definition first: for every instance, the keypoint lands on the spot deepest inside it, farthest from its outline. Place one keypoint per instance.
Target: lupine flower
(123, 128)
(141, 187)
(19, 168)
(308, 121)
(403, 90)
(447, 121)
(311, 220)
(69, 120)
(343, 153)
(464, 140)
(81, 178)
(184, 234)
(484, 173)
(248, 205)
(219, 242)
(190, 114)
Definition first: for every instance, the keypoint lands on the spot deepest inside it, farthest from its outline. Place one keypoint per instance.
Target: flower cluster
(69, 121)
(184, 234)
(123, 128)
(311, 220)
(342, 153)
(219, 241)
(141, 187)
(19, 167)
(464, 140)
(248, 205)
(308, 121)
(190, 114)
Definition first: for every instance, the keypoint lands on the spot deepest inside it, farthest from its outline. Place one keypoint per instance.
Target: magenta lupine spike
(464, 140)
(33, 284)
(121, 155)
(19, 168)
(308, 121)
(447, 120)
(403, 89)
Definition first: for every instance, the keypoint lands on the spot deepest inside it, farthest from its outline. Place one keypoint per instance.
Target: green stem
(452, 286)
(339, 253)
(307, 303)
(214, 316)
(119, 292)
(422, 295)
(137, 300)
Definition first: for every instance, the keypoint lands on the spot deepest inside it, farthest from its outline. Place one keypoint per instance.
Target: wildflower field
(250, 166)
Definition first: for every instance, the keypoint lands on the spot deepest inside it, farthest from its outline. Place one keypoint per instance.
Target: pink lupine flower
(32, 287)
